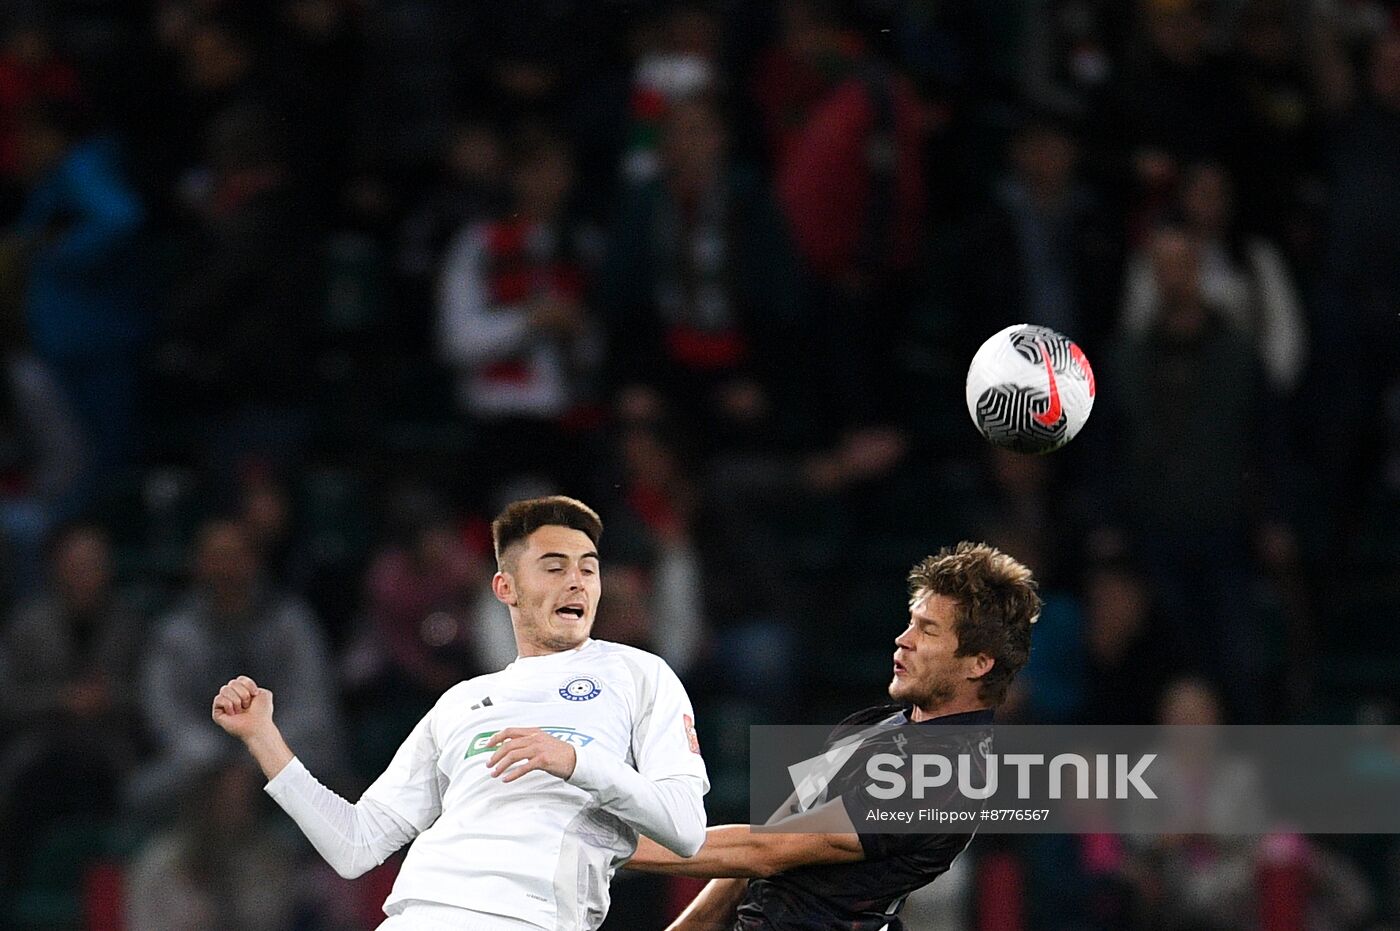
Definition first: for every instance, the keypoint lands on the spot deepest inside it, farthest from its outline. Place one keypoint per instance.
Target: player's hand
(520, 750)
(243, 709)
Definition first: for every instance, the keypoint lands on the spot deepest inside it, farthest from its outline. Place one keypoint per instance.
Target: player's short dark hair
(522, 518)
(997, 604)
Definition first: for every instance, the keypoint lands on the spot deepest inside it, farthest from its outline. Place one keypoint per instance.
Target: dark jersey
(865, 896)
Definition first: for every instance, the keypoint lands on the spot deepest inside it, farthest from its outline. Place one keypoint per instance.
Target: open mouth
(899, 669)
(570, 612)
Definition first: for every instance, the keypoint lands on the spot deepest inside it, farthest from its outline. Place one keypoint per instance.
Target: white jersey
(540, 849)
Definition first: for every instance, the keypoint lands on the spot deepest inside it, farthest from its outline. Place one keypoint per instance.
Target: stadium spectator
(240, 338)
(514, 320)
(87, 302)
(213, 68)
(813, 54)
(1072, 57)
(1124, 669)
(1179, 101)
(33, 74)
(1045, 251)
(418, 594)
(700, 279)
(421, 624)
(230, 618)
(655, 599)
(265, 511)
(1195, 858)
(759, 498)
(526, 55)
(1358, 289)
(67, 709)
(43, 459)
(852, 185)
(314, 51)
(469, 187)
(1198, 466)
(1243, 277)
(1025, 499)
(1280, 171)
(190, 878)
(681, 65)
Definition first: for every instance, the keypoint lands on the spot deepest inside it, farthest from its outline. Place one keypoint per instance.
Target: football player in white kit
(525, 789)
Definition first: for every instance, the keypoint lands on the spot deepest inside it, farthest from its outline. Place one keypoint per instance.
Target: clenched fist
(243, 709)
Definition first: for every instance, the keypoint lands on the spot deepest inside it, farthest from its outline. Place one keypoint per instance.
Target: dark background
(296, 294)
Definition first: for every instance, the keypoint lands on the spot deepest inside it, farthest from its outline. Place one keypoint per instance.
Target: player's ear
(981, 665)
(503, 587)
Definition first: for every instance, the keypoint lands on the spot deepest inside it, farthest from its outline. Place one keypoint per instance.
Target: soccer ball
(1029, 389)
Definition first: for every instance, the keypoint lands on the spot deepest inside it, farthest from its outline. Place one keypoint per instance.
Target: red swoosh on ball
(1082, 361)
(1052, 413)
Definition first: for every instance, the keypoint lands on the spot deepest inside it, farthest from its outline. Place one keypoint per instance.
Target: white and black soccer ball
(1030, 389)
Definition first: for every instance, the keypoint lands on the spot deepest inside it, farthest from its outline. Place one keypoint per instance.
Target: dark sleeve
(858, 802)
(882, 846)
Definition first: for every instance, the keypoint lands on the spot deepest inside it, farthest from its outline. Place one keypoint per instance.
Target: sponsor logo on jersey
(579, 688)
(691, 737)
(566, 734)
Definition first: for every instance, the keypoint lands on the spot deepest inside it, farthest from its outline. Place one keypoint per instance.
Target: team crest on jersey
(580, 688)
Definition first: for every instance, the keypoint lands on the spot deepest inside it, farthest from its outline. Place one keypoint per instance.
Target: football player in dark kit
(971, 608)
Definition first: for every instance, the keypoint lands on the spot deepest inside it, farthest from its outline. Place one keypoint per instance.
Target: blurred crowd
(295, 294)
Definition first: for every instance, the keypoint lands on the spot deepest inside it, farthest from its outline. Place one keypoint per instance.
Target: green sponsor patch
(566, 734)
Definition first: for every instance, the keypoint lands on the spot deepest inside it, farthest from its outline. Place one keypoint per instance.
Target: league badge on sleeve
(580, 688)
(690, 735)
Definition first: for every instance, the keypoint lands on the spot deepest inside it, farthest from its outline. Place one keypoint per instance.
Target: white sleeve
(403, 802)
(663, 797)
(353, 839)
(471, 332)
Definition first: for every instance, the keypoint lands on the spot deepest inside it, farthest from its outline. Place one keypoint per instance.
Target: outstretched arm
(353, 839)
(824, 835)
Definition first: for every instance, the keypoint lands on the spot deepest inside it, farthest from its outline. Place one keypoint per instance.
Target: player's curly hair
(522, 518)
(997, 604)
